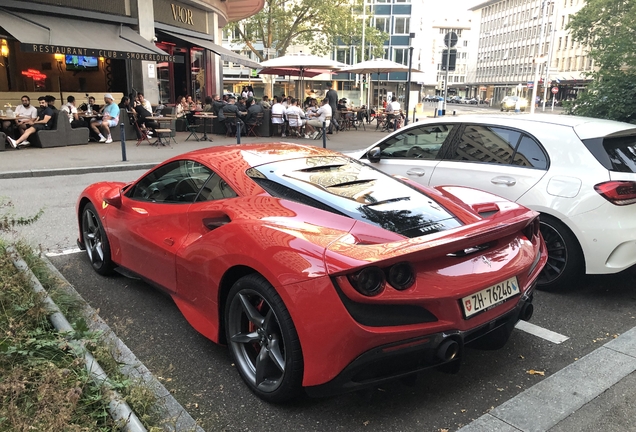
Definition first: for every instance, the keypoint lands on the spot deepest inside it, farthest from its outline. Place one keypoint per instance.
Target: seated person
(110, 118)
(295, 110)
(124, 104)
(11, 127)
(70, 110)
(265, 102)
(141, 100)
(317, 118)
(44, 121)
(90, 106)
(240, 104)
(208, 104)
(228, 108)
(50, 100)
(342, 105)
(141, 118)
(253, 110)
(218, 104)
(278, 109)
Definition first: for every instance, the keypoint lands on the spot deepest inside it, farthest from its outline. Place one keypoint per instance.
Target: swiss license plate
(490, 297)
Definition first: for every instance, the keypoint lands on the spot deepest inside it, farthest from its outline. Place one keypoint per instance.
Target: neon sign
(35, 74)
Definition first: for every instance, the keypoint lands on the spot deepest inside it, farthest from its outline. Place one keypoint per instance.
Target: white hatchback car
(579, 173)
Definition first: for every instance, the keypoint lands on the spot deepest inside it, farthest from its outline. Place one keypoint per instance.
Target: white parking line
(546, 334)
(64, 252)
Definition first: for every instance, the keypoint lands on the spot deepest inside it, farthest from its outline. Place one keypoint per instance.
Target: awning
(225, 53)
(55, 35)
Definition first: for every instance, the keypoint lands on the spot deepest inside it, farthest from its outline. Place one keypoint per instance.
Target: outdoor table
(205, 118)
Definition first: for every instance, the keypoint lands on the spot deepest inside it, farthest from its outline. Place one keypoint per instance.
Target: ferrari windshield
(349, 187)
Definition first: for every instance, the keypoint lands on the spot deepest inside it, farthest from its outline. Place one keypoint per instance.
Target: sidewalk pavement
(597, 392)
(98, 157)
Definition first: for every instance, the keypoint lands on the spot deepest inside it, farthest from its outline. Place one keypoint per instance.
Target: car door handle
(168, 241)
(416, 172)
(503, 180)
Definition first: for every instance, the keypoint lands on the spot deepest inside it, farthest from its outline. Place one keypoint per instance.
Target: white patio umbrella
(302, 62)
(378, 65)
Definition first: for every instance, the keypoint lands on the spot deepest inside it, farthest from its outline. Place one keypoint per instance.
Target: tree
(319, 24)
(607, 28)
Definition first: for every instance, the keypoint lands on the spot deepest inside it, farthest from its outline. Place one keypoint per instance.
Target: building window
(343, 55)
(401, 25)
(401, 55)
(382, 24)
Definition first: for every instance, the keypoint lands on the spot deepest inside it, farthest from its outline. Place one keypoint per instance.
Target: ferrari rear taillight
(532, 229)
(619, 193)
(401, 276)
(369, 281)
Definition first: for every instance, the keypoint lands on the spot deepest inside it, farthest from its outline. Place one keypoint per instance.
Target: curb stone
(175, 418)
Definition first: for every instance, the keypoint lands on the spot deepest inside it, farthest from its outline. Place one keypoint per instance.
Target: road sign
(451, 61)
(450, 39)
(530, 84)
(555, 90)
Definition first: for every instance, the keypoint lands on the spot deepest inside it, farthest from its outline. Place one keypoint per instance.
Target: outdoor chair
(192, 128)
(279, 127)
(346, 120)
(230, 124)
(142, 134)
(252, 129)
(294, 130)
(320, 132)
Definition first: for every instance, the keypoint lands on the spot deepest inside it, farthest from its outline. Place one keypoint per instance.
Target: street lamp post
(408, 84)
(364, 25)
(539, 56)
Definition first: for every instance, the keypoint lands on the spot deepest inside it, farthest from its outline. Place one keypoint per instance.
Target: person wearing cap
(110, 118)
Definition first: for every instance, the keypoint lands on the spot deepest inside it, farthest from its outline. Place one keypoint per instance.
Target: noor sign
(106, 53)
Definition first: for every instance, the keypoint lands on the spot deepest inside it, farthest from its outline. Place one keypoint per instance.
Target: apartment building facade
(517, 35)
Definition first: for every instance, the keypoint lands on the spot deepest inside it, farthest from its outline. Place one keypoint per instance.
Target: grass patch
(43, 385)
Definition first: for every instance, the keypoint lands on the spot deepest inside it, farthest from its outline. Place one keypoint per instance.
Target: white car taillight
(619, 193)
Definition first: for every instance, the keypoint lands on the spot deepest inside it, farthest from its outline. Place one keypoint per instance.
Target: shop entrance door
(173, 78)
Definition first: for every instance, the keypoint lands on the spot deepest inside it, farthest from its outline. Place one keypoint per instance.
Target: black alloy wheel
(263, 341)
(565, 263)
(95, 241)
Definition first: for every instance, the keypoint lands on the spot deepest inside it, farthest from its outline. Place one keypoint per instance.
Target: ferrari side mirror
(113, 197)
(374, 155)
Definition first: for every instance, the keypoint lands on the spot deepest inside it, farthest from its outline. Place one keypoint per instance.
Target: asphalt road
(201, 377)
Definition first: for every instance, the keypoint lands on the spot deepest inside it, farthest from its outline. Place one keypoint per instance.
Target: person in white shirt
(71, 112)
(20, 125)
(277, 109)
(295, 110)
(316, 119)
(395, 106)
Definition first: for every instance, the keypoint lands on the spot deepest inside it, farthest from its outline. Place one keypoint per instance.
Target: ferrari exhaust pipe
(447, 350)
(526, 312)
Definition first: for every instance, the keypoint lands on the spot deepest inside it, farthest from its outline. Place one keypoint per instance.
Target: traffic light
(364, 78)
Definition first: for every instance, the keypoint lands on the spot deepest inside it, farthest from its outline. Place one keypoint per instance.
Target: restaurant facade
(163, 48)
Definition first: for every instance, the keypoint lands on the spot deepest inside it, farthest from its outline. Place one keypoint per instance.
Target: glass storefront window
(197, 71)
(163, 78)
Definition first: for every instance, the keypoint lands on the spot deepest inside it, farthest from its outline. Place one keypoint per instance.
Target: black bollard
(324, 134)
(238, 131)
(122, 132)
